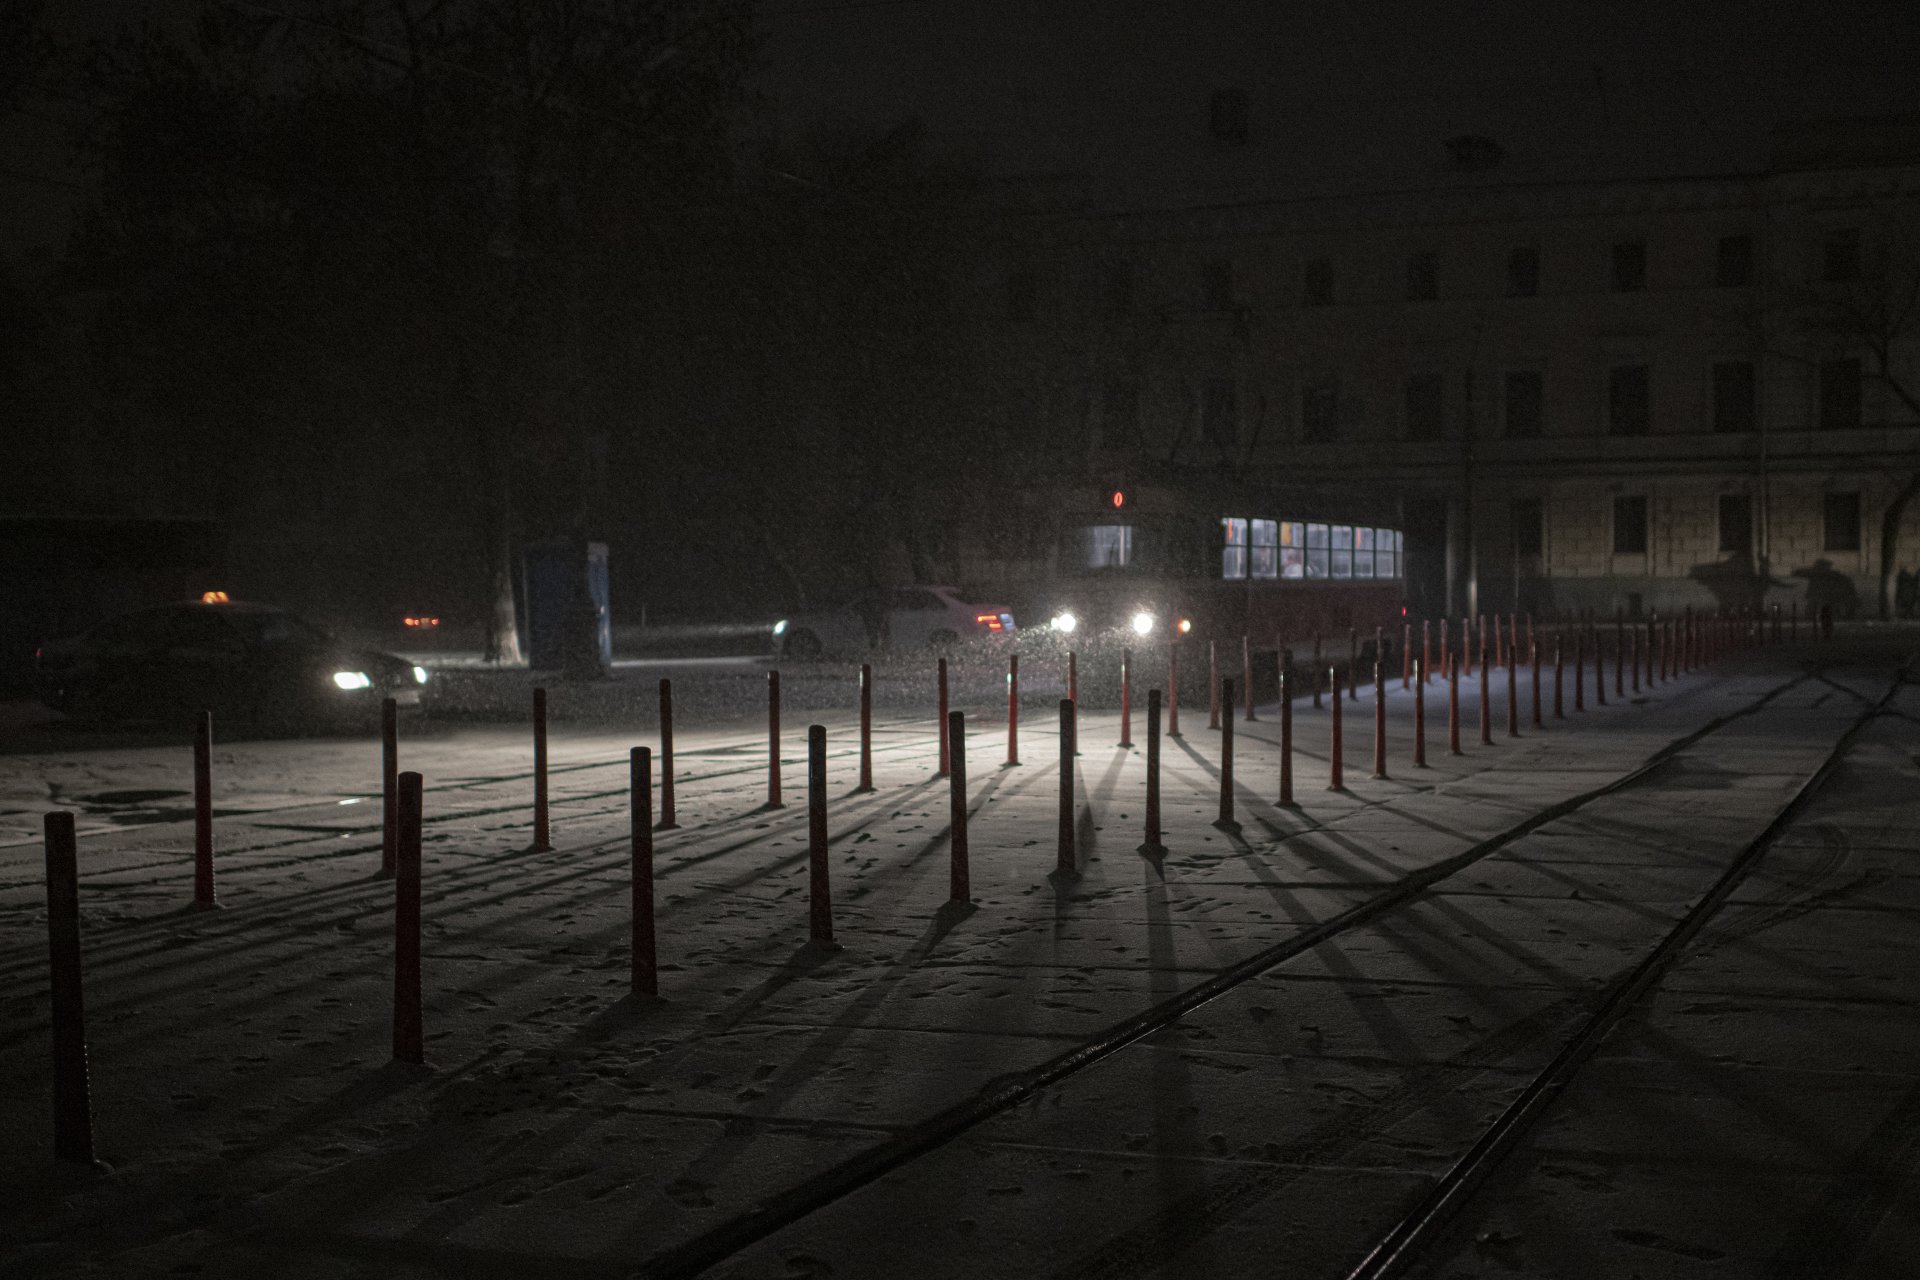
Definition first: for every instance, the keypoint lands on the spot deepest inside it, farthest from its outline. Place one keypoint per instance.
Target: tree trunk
(1890, 542)
(503, 629)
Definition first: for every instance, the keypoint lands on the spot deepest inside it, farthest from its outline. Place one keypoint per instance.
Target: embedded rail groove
(720, 1242)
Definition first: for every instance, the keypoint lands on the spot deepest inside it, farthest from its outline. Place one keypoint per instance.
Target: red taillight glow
(991, 621)
(414, 620)
(213, 597)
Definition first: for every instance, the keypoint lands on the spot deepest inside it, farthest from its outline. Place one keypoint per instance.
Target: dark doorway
(1426, 568)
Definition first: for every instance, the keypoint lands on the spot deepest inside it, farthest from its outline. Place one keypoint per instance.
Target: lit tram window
(1233, 550)
(1317, 551)
(1363, 561)
(1266, 549)
(1342, 551)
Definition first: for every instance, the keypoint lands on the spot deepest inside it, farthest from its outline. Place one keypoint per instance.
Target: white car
(901, 618)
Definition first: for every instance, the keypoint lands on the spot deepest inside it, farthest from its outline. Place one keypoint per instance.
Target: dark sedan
(246, 662)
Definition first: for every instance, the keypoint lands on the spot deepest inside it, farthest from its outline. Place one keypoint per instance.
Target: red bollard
(1379, 717)
(1486, 694)
(1453, 709)
(1126, 697)
(1064, 854)
(1633, 658)
(1420, 716)
(1620, 657)
(1173, 689)
(773, 742)
(1426, 647)
(819, 891)
(1776, 623)
(1013, 708)
(409, 1042)
(1406, 657)
(1213, 685)
(1670, 650)
(389, 782)
(1286, 727)
(1226, 760)
(644, 977)
(1073, 677)
(1466, 642)
(203, 811)
(1500, 654)
(1446, 650)
(1336, 780)
(945, 729)
(666, 756)
(1353, 663)
(1152, 846)
(72, 1094)
(955, 732)
(1319, 666)
(866, 727)
(1513, 692)
(1246, 672)
(1533, 662)
(1600, 671)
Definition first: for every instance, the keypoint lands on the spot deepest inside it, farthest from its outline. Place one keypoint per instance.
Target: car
(899, 618)
(252, 663)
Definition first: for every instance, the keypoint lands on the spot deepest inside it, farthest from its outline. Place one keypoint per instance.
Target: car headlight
(780, 627)
(352, 680)
(1142, 623)
(1185, 625)
(1064, 622)
(419, 675)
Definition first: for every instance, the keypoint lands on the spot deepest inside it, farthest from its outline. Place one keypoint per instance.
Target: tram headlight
(1064, 622)
(1184, 625)
(1142, 623)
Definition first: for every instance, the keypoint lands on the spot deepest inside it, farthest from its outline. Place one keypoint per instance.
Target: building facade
(1633, 395)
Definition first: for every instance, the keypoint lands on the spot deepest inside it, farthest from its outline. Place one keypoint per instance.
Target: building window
(1423, 276)
(1528, 519)
(1839, 394)
(1216, 284)
(1233, 547)
(1843, 522)
(1840, 255)
(1630, 266)
(1227, 115)
(1120, 413)
(1342, 551)
(1219, 412)
(1630, 525)
(1628, 412)
(1116, 288)
(1523, 271)
(1320, 411)
(1425, 405)
(1317, 551)
(1317, 282)
(1736, 524)
(1266, 548)
(1109, 546)
(1733, 266)
(1523, 403)
(1023, 296)
(1733, 396)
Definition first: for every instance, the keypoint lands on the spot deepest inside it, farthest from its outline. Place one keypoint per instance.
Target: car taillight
(991, 621)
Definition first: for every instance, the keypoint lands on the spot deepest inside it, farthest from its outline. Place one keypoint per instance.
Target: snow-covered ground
(244, 1097)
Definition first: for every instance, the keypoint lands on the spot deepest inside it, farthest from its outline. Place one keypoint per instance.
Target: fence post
(946, 732)
(72, 1093)
(956, 735)
(1226, 759)
(542, 832)
(819, 891)
(389, 782)
(1064, 855)
(1379, 717)
(1336, 777)
(409, 1041)
(1286, 727)
(1013, 708)
(1173, 688)
(773, 741)
(645, 974)
(1126, 697)
(1246, 671)
(666, 756)
(1153, 847)
(866, 727)
(203, 811)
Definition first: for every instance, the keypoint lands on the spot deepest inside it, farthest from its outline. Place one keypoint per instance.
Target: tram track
(724, 1240)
